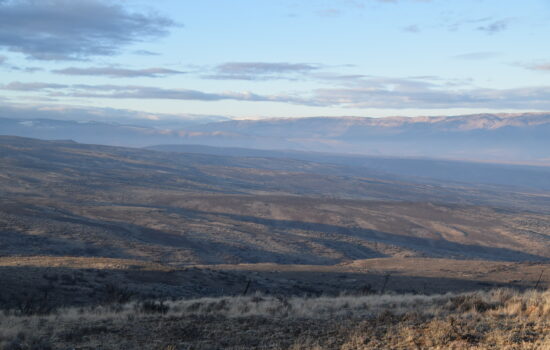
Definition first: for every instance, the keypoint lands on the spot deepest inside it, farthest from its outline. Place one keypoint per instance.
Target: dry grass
(497, 319)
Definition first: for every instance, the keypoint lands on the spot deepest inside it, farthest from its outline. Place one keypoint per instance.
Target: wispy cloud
(495, 27)
(482, 55)
(5, 64)
(145, 53)
(329, 12)
(539, 66)
(457, 24)
(20, 86)
(397, 1)
(28, 69)
(260, 70)
(73, 30)
(430, 96)
(146, 92)
(103, 114)
(360, 92)
(143, 92)
(375, 82)
(342, 7)
(113, 72)
(413, 28)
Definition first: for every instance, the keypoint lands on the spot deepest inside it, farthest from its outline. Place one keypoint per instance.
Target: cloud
(381, 93)
(113, 72)
(145, 53)
(19, 86)
(357, 92)
(375, 82)
(413, 28)
(261, 70)
(483, 55)
(329, 13)
(495, 27)
(361, 3)
(74, 30)
(4, 64)
(458, 24)
(146, 92)
(142, 92)
(539, 66)
(396, 1)
(84, 113)
(433, 96)
(28, 69)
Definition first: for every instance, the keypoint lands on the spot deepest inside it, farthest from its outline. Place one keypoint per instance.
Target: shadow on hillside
(208, 250)
(23, 244)
(63, 286)
(430, 247)
(329, 244)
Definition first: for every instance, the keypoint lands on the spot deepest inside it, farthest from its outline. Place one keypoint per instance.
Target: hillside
(116, 232)
(129, 239)
(68, 199)
(76, 218)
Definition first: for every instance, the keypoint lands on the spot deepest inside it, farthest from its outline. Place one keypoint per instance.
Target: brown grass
(497, 319)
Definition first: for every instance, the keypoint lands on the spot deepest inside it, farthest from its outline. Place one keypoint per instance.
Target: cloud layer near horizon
(363, 92)
(115, 72)
(260, 70)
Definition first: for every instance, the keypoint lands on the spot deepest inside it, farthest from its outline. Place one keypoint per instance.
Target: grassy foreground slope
(500, 319)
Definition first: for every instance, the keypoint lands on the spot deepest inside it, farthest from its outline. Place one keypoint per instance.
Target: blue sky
(285, 58)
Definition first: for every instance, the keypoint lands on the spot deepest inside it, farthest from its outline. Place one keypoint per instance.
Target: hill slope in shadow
(68, 199)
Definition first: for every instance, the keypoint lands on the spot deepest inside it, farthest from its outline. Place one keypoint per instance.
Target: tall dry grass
(497, 319)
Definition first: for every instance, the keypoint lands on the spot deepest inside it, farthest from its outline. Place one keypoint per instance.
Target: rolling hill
(67, 199)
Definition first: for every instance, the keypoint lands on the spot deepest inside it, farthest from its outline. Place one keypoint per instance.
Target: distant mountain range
(517, 138)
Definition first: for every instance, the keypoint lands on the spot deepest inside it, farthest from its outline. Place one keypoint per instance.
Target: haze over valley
(496, 138)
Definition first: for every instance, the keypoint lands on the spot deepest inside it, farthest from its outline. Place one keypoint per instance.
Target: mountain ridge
(498, 138)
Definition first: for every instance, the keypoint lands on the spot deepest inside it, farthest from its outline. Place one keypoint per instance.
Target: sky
(251, 59)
